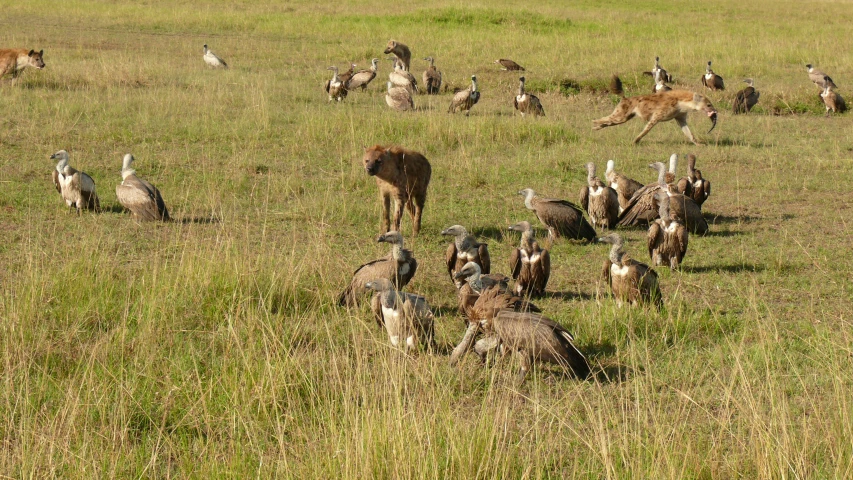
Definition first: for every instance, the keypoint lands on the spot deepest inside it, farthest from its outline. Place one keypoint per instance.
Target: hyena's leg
(618, 117)
(399, 206)
(682, 122)
(386, 212)
(649, 126)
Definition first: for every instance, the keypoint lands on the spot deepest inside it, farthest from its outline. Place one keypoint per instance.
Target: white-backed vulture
(399, 267)
(527, 103)
(58, 176)
(658, 73)
(667, 237)
(464, 100)
(362, 78)
(669, 178)
(463, 249)
(139, 196)
(832, 100)
(211, 59)
(407, 317)
(399, 98)
(660, 86)
(467, 295)
(509, 65)
(335, 87)
(77, 188)
(432, 78)
(530, 264)
(693, 185)
(712, 80)
(561, 217)
(625, 187)
(629, 280)
(746, 98)
(600, 201)
(401, 77)
(819, 78)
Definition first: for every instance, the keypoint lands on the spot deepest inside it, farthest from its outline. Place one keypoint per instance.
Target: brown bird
(712, 80)
(629, 280)
(407, 317)
(336, 89)
(625, 187)
(530, 264)
(561, 217)
(527, 103)
(693, 185)
(432, 78)
(509, 65)
(819, 78)
(464, 100)
(600, 201)
(463, 249)
(139, 196)
(746, 98)
(347, 76)
(363, 77)
(399, 98)
(467, 295)
(399, 267)
(77, 188)
(667, 237)
(832, 100)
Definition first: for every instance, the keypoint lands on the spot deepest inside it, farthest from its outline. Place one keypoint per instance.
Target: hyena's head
(374, 157)
(392, 45)
(36, 59)
(701, 103)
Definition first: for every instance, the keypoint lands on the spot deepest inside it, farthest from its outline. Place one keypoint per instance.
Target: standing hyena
(401, 174)
(658, 107)
(14, 60)
(400, 51)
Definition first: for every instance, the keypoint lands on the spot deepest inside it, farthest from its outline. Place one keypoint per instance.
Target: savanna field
(213, 346)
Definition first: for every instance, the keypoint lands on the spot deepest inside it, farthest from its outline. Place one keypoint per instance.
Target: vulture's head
(380, 285)
(611, 238)
(523, 226)
(60, 155)
(658, 166)
(469, 271)
(393, 236)
(456, 231)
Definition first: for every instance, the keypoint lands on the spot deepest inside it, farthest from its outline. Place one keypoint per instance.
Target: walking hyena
(14, 60)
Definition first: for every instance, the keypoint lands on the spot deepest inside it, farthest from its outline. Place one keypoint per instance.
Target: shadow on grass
(200, 220)
(569, 295)
(722, 219)
(725, 268)
(727, 233)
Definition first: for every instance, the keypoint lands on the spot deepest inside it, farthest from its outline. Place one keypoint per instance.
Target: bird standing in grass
(212, 60)
(139, 196)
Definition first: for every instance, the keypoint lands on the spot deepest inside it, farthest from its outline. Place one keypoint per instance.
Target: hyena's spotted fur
(14, 60)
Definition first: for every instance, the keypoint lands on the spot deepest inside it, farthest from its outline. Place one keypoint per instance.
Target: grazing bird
(660, 86)
(527, 103)
(530, 264)
(406, 317)
(746, 98)
(77, 188)
(469, 293)
(643, 208)
(508, 65)
(629, 280)
(832, 100)
(819, 78)
(464, 100)
(667, 237)
(600, 201)
(625, 187)
(463, 249)
(712, 80)
(698, 187)
(432, 78)
(399, 267)
(561, 217)
(402, 78)
(335, 87)
(362, 78)
(139, 196)
(399, 98)
(212, 60)
(401, 52)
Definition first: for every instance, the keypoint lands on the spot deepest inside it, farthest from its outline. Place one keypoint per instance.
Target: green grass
(212, 346)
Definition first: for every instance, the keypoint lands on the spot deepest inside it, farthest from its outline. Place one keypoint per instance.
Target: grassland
(212, 346)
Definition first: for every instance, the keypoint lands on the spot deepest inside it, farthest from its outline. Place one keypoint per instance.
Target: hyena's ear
(41, 52)
(697, 98)
(32, 52)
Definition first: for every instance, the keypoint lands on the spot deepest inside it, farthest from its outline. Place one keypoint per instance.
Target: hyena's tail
(616, 86)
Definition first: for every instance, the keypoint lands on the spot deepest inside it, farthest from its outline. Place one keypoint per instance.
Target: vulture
(463, 100)
(712, 80)
(643, 206)
(527, 103)
(832, 100)
(335, 87)
(699, 188)
(211, 59)
(77, 188)
(463, 249)
(819, 78)
(399, 267)
(407, 317)
(746, 98)
(401, 77)
(660, 86)
(536, 338)
(625, 187)
(667, 237)
(630, 281)
(399, 98)
(139, 196)
(658, 73)
(509, 65)
(600, 201)
(363, 77)
(469, 293)
(529, 263)
(561, 217)
(432, 78)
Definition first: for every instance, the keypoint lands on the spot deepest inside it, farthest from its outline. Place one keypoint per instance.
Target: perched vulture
(832, 100)
(527, 103)
(399, 267)
(819, 78)
(212, 60)
(363, 77)
(463, 249)
(746, 98)
(712, 80)
(432, 78)
(667, 237)
(464, 100)
(699, 188)
(139, 196)
(643, 208)
(407, 317)
(509, 65)
(625, 187)
(399, 98)
(529, 263)
(401, 77)
(630, 281)
(77, 188)
(335, 87)
(600, 201)
(561, 217)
